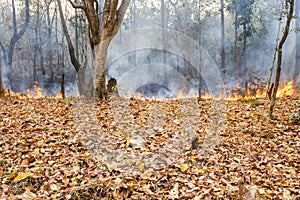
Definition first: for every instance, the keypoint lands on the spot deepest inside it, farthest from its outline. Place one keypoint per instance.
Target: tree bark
(100, 36)
(235, 56)
(297, 64)
(36, 45)
(76, 34)
(223, 67)
(16, 37)
(1, 84)
(290, 8)
(81, 77)
(99, 78)
(68, 38)
(49, 42)
(4, 57)
(200, 54)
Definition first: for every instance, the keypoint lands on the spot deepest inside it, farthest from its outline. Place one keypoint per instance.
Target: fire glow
(254, 92)
(237, 93)
(36, 94)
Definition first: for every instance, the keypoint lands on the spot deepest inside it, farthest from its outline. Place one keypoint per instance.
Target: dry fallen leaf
(65, 154)
(22, 176)
(174, 193)
(147, 174)
(146, 189)
(27, 195)
(184, 167)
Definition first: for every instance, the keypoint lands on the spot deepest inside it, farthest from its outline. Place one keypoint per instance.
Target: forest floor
(149, 149)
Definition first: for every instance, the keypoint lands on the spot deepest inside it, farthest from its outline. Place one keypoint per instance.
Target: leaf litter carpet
(148, 149)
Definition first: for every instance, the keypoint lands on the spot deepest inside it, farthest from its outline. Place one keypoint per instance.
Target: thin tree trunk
(244, 71)
(290, 8)
(16, 37)
(49, 42)
(269, 86)
(297, 64)
(163, 26)
(68, 38)
(74, 61)
(1, 84)
(3, 57)
(76, 34)
(235, 56)
(223, 40)
(62, 83)
(162, 13)
(200, 52)
(200, 67)
(36, 46)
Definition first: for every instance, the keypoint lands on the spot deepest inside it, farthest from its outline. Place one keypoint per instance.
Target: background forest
(241, 38)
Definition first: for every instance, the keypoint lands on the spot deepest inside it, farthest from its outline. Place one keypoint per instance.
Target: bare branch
(77, 6)
(106, 12)
(69, 41)
(113, 10)
(122, 10)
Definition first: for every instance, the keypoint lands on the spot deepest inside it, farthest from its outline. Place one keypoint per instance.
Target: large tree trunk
(99, 79)
(290, 8)
(100, 36)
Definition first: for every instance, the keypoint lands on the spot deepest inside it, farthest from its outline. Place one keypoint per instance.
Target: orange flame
(207, 96)
(254, 92)
(38, 93)
(286, 89)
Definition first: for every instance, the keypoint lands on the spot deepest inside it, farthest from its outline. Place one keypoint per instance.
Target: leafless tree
(289, 5)
(101, 36)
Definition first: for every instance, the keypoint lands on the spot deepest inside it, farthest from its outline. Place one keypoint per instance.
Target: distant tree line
(35, 44)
